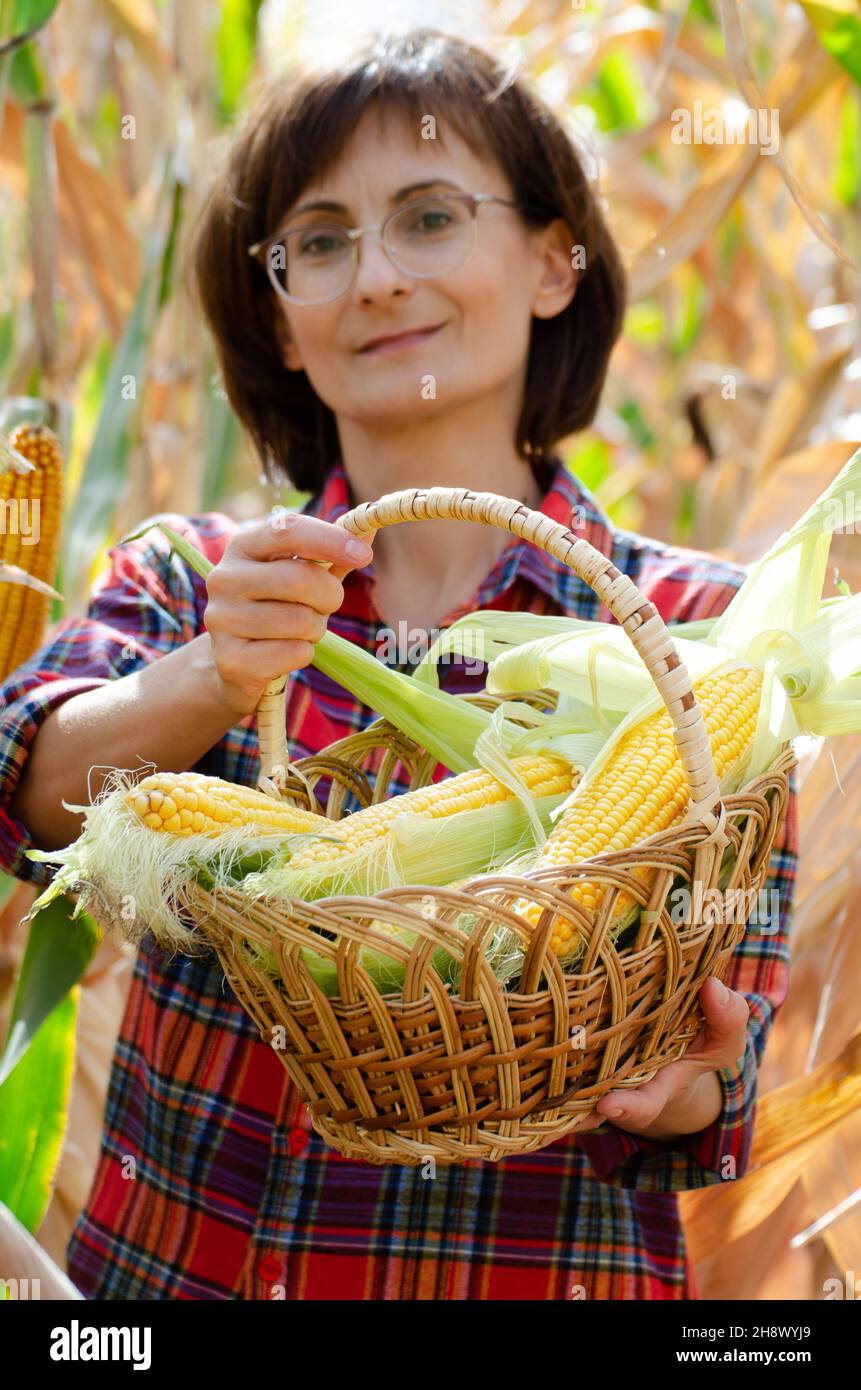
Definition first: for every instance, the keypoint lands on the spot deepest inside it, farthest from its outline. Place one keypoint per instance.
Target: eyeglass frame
(354, 233)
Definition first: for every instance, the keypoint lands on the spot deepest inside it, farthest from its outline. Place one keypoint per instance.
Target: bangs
(406, 87)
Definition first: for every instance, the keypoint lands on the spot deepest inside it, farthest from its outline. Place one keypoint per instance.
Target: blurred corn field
(733, 398)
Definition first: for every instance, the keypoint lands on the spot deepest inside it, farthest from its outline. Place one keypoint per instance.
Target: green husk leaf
(784, 589)
(443, 724)
(416, 849)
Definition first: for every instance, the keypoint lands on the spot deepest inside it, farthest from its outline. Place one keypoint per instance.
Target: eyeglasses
(316, 263)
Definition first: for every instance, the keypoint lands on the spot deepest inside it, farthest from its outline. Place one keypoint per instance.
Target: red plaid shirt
(233, 1194)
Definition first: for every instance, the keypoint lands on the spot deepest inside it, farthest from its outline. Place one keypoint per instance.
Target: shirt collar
(565, 499)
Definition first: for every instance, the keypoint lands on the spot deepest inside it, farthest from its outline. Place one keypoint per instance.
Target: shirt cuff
(15, 837)
(718, 1153)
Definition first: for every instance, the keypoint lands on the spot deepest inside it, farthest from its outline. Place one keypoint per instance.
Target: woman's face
(482, 312)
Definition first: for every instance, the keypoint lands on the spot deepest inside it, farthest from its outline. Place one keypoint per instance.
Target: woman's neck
(424, 570)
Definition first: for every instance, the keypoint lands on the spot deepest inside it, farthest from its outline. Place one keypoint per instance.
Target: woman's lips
(405, 340)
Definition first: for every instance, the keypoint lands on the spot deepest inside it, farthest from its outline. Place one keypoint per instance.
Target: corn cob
(543, 776)
(189, 803)
(642, 790)
(23, 610)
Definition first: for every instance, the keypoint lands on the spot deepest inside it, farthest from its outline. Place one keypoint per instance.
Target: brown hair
(295, 132)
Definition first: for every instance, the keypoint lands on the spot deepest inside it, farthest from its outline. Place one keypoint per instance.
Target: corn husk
(808, 648)
(415, 851)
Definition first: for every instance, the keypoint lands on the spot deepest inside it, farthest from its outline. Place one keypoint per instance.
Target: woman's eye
(320, 245)
(435, 221)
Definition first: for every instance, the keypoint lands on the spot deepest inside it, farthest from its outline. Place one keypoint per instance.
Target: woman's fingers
(720, 1043)
(286, 581)
(245, 667)
(339, 572)
(268, 620)
(270, 596)
(287, 534)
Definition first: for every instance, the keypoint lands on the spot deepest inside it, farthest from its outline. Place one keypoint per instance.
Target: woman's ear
(290, 354)
(287, 349)
(561, 265)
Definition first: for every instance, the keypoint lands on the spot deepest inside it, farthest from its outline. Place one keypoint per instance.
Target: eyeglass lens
(316, 262)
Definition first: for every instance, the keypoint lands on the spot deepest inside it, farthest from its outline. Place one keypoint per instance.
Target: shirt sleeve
(145, 603)
(760, 970)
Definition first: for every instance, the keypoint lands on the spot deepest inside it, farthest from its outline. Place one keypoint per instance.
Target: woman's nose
(376, 274)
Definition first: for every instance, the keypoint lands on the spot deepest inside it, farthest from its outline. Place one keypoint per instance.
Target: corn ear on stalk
(30, 510)
(642, 789)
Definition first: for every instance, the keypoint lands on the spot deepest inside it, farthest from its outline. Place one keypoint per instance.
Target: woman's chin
(397, 398)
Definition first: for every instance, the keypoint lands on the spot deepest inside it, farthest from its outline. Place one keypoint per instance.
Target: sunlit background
(733, 397)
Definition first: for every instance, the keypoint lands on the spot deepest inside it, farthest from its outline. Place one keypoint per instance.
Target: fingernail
(358, 550)
(722, 993)
(616, 1112)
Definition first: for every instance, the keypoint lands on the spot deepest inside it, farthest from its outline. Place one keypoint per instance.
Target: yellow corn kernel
(23, 611)
(189, 803)
(642, 790)
(544, 776)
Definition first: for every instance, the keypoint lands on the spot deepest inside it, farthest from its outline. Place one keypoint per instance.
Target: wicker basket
(485, 1073)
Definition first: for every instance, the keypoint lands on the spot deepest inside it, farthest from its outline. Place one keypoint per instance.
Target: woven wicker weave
(427, 1074)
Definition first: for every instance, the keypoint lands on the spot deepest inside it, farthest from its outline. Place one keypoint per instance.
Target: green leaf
(644, 322)
(838, 28)
(847, 171)
(7, 884)
(235, 51)
(689, 310)
(730, 238)
(31, 14)
(58, 952)
(591, 462)
(626, 512)
(168, 257)
(194, 558)
(8, 326)
(620, 99)
(686, 512)
(631, 412)
(28, 80)
(20, 21)
(33, 1111)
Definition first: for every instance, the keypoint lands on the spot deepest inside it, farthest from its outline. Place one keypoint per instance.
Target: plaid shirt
(234, 1195)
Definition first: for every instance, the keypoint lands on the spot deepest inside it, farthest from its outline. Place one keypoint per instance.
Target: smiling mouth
(403, 340)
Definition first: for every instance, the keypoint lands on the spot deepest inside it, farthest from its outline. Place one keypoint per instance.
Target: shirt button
(269, 1266)
(297, 1139)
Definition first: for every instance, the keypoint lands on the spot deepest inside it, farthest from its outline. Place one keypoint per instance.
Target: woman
(457, 348)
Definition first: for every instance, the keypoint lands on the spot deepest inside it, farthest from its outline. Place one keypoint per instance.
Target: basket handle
(631, 609)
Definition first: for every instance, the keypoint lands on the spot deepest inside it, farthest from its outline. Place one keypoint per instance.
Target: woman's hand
(269, 601)
(685, 1096)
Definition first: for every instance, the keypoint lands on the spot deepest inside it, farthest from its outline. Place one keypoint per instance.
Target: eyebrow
(325, 205)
